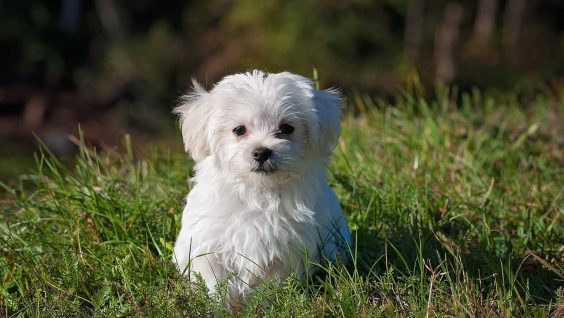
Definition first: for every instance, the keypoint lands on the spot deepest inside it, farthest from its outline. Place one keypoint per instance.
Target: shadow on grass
(413, 250)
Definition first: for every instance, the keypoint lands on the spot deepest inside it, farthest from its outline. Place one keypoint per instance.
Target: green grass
(456, 209)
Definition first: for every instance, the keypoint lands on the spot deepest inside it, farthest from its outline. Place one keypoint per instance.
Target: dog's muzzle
(262, 163)
(261, 154)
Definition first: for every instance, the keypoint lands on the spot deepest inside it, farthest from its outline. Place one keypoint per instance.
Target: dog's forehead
(260, 111)
(261, 84)
(262, 94)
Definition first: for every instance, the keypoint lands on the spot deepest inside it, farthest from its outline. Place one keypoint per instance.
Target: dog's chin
(263, 170)
(267, 176)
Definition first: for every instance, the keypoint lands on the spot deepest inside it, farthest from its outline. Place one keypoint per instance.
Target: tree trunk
(485, 22)
(446, 43)
(512, 27)
(413, 27)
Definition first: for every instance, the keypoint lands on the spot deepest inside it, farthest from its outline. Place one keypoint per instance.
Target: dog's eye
(286, 129)
(239, 130)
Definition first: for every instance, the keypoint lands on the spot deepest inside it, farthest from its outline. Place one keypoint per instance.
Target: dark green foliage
(152, 50)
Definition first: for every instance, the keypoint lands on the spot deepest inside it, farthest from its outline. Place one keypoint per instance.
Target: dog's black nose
(261, 154)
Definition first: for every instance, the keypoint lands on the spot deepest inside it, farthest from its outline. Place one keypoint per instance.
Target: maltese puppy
(260, 207)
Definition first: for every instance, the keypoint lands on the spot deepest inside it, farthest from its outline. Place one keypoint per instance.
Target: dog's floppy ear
(327, 105)
(195, 112)
(324, 120)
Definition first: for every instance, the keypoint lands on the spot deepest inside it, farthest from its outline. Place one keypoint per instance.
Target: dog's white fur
(245, 226)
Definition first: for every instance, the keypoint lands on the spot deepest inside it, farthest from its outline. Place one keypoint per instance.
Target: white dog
(260, 206)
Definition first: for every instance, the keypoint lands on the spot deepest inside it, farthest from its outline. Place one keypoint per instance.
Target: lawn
(455, 203)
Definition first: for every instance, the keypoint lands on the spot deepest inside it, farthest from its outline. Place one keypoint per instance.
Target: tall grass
(455, 204)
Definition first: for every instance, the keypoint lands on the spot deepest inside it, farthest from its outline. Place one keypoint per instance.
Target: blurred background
(116, 66)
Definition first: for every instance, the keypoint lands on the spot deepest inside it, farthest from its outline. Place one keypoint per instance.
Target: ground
(454, 202)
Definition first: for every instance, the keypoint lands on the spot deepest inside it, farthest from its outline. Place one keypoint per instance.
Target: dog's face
(261, 128)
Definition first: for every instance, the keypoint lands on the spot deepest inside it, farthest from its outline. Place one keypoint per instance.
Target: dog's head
(261, 126)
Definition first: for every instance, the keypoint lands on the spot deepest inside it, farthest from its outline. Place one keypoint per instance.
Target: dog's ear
(195, 111)
(324, 120)
(327, 105)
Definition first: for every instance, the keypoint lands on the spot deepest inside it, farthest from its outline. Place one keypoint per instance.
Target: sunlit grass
(456, 208)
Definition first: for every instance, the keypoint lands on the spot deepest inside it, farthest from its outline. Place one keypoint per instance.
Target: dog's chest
(263, 238)
(257, 240)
